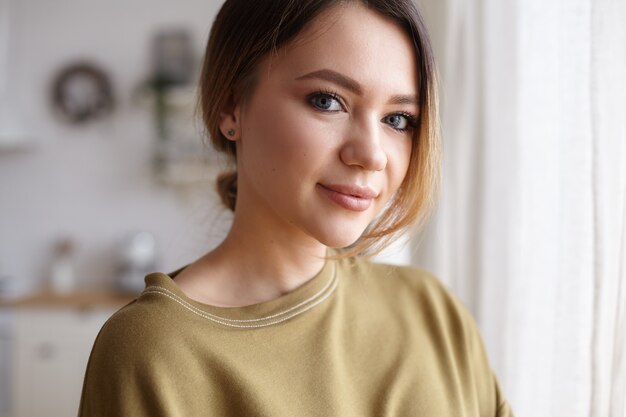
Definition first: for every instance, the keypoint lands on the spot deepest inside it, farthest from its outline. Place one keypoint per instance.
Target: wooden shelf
(79, 300)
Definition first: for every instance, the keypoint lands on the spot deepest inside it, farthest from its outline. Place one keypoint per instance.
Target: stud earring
(231, 132)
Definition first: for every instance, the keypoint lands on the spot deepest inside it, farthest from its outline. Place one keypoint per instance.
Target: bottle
(62, 278)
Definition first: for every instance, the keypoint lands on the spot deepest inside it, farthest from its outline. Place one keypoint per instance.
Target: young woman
(329, 111)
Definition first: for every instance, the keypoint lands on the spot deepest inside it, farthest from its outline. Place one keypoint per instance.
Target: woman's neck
(252, 266)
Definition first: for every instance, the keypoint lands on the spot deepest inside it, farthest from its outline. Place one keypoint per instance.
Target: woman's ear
(230, 120)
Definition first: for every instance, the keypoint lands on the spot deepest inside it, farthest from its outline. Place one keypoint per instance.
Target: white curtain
(531, 228)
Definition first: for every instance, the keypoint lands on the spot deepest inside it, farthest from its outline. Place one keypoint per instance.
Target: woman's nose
(363, 147)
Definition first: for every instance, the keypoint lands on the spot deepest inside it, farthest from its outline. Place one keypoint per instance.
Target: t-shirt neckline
(289, 305)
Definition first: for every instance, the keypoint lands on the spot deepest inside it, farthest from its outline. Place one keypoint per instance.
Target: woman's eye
(399, 121)
(326, 102)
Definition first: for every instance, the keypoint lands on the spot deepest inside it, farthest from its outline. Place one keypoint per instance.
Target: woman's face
(324, 138)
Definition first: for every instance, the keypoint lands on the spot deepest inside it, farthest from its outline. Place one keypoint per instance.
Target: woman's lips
(350, 197)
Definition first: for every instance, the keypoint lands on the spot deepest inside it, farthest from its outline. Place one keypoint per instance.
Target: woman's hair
(244, 32)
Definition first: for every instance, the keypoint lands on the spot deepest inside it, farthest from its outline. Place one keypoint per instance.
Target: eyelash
(411, 119)
(328, 93)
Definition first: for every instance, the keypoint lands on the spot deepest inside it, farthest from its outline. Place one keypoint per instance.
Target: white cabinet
(5, 375)
(49, 350)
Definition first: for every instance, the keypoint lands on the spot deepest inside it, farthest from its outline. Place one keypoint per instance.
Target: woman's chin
(340, 242)
(336, 233)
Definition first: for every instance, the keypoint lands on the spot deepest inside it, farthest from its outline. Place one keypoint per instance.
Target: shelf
(78, 300)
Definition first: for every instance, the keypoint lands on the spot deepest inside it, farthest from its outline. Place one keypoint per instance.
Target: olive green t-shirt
(359, 339)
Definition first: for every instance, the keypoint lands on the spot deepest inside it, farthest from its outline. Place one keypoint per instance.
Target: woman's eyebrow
(352, 85)
(404, 99)
(334, 77)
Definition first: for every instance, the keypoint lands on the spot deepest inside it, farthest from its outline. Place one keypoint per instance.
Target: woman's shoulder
(403, 279)
(411, 291)
(136, 328)
(131, 349)
(425, 308)
(130, 319)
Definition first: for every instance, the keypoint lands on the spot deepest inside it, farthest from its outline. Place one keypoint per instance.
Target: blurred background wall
(73, 195)
(92, 183)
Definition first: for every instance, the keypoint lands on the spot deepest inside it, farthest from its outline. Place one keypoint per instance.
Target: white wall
(94, 183)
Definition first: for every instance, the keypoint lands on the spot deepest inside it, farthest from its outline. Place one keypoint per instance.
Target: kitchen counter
(79, 300)
(45, 342)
